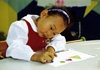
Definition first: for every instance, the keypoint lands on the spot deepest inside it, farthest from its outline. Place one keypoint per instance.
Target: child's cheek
(40, 35)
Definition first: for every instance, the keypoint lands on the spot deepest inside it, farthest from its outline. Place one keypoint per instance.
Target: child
(28, 36)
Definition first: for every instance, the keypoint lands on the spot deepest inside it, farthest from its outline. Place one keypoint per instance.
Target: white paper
(62, 56)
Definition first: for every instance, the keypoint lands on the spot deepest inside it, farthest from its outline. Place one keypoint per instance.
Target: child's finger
(49, 59)
(55, 54)
(51, 56)
(43, 61)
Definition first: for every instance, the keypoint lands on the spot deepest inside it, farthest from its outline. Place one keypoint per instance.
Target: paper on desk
(70, 54)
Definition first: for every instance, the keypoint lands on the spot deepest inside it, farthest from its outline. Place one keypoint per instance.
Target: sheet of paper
(68, 57)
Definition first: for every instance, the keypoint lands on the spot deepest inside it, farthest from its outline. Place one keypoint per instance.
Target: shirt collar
(30, 19)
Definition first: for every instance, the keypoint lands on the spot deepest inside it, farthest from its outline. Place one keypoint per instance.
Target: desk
(89, 47)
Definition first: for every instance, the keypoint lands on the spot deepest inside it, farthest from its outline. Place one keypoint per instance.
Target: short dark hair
(65, 18)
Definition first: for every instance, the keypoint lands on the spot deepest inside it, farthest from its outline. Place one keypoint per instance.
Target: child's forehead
(57, 21)
(54, 18)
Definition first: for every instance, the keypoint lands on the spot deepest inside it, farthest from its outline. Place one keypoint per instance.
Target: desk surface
(89, 47)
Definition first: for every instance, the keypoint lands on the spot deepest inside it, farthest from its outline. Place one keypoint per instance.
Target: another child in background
(28, 36)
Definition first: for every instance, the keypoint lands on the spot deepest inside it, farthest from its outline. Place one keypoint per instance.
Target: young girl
(28, 36)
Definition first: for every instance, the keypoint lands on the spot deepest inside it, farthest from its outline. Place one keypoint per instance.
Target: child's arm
(58, 43)
(44, 57)
(17, 39)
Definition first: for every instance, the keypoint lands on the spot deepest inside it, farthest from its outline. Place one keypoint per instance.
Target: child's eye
(51, 28)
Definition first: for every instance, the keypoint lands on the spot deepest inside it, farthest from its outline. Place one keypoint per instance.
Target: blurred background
(86, 13)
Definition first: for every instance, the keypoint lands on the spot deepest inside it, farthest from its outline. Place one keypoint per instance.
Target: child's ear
(44, 13)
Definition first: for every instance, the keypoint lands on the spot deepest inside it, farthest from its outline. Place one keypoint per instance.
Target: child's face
(49, 26)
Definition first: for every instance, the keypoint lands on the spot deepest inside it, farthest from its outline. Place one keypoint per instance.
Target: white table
(89, 47)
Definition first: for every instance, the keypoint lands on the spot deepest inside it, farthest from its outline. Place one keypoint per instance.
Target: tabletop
(91, 47)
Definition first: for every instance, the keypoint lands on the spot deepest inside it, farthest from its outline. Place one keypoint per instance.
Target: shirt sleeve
(58, 43)
(16, 40)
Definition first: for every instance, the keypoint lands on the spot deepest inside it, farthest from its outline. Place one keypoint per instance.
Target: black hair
(65, 18)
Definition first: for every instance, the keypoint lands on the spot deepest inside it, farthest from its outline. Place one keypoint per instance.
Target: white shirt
(18, 36)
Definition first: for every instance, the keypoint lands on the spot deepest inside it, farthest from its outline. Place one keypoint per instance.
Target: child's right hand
(43, 57)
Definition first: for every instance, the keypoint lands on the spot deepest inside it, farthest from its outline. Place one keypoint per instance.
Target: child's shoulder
(19, 24)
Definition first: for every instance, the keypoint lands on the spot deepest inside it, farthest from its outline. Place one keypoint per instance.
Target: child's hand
(51, 49)
(44, 57)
